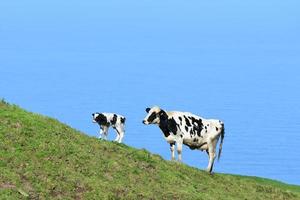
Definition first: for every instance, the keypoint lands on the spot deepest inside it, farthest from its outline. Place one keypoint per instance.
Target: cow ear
(147, 110)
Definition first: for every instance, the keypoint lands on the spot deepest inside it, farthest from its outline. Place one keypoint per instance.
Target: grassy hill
(41, 158)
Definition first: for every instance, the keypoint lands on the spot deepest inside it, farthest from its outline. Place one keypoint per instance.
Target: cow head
(95, 116)
(155, 115)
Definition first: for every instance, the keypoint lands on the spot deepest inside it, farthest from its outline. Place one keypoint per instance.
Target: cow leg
(103, 132)
(172, 148)
(120, 135)
(211, 155)
(179, 150)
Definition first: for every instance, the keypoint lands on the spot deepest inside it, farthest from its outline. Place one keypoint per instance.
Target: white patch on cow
(170, 138)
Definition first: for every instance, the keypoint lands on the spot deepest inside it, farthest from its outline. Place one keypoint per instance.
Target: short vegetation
(41, 158)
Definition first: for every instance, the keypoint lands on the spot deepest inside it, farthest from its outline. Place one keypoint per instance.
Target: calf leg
(117, 138)
(120, 135)
(103, 132)
(172, 148)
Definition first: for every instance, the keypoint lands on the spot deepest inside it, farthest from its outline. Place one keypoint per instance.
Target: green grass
(41, 158)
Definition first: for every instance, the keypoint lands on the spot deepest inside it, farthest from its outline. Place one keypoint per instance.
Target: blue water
(234, 61)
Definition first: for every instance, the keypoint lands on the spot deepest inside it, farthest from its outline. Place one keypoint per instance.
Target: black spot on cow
(163, 115)
(180, 118)
(187, 121)
(151, 117)
(181, 136)
(163, 125)
(192, 132)
(217, 129)
(165, 130)
(198, 126)
(102, 120)
(192, 147)
(195, 140)
(186, 128)
(123, 120)
(147, 110)
(114, 119)
(205, 127)
(172, 125)
(207, 124)
(196, 121)
(196, 131)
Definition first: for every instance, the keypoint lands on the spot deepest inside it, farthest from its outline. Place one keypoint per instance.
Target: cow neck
(163, 123)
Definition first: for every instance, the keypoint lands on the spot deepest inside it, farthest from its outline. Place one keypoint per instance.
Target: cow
(186, 128)
(105, 120)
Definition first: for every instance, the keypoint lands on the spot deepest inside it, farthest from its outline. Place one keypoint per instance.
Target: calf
(105, 120)
(189, 129)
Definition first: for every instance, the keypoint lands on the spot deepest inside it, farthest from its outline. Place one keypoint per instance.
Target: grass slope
(41, 158)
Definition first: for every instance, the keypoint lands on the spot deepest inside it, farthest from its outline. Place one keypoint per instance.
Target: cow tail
(222, 138)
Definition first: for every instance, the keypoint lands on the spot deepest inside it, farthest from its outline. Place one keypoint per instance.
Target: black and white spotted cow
(189, 129)
(105, 120)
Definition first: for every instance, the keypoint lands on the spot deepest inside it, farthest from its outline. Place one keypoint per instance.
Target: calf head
(99, 118)
(155, 115)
